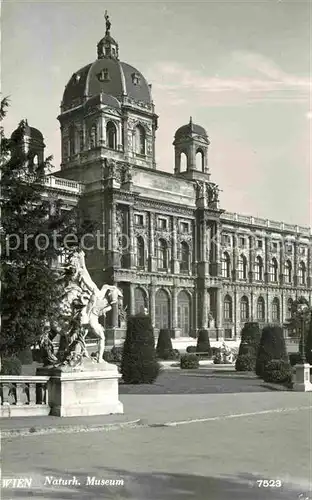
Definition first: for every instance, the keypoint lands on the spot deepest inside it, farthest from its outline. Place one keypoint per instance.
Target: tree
(32, 237)
(272, 346)
(300, 313)
(139, 364)
(308, 343)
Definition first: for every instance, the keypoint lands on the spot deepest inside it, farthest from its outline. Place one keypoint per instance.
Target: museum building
(167, 243)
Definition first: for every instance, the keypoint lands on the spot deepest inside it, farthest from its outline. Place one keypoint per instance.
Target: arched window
(93, 139)
(244, 309)
(72, 143)
(35, 160)
(184, 313)
(276, 310)
(183, 162)
(228, 309)
(161, 309)
(242, 267)
(226, 265)
(287, 271)
(301, 273)
(289, 307)
(162, 254)
(140, 258)
(259, 268)
(140, 300)
(185, 256)
(273, 270)
(111, 135)
(260, 309)
(199, 160)
(139, 138)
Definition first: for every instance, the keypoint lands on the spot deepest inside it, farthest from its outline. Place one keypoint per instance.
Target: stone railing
(265, 223)
(24, 395)
(64, 184)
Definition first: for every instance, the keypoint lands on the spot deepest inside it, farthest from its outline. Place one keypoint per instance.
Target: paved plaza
(192, 446)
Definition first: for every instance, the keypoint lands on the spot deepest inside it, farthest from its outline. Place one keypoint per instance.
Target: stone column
(132, 299)
(102, 130)
(204, 306)
(175, 263)
(252, 255)
(114, 315)
(219, 307)
(131, 238)
(218, 248)
(174, 309)
(152, 303)
(235, 257)
(152, 242)
(125, 135)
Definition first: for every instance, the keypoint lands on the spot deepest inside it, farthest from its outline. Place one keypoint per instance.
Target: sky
(241, 69)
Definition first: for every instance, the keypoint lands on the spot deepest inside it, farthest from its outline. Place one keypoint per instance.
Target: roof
(31, 132)
(109, 76)
(189, 129)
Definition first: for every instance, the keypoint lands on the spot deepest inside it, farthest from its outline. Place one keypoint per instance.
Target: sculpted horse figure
(81, 305)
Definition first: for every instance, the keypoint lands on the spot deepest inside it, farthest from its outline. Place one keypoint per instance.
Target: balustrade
(22, 395)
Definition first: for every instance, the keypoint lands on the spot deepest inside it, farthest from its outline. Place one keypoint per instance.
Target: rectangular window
(162, 223)
(242, 242)
(138, 220)
(259, 243)
(274, 245)
(184, 227)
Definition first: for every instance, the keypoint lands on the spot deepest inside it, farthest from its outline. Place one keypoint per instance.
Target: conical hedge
(164, 344)
(139, 364)
(203, 342)
(272, 346)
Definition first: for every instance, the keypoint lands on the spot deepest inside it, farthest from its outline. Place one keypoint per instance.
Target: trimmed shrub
(217, 358)
(139, 364)
(203, 343)
(250, 339)
(108, 357)
(11, 365)
(25, 357)
(272, 346)
(277, 371)
(176, 354)
(295, 358)
(164, 345)
(245, 363)
(191, 349)
(189, 361)
(117, 353)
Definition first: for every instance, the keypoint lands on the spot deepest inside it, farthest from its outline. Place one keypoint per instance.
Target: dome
(31, 132)
(108, 76)
(189, 129)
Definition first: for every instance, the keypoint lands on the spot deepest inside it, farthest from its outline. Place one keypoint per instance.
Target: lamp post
(302, 308)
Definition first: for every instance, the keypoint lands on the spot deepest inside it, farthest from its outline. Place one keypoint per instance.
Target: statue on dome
(108, 23)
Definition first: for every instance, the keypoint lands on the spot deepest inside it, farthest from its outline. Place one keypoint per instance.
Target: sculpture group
(80, 306)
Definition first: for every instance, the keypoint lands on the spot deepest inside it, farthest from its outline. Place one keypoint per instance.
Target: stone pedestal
(91, 389)
(302, 378)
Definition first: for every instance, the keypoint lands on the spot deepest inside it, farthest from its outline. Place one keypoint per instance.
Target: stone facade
(165, 239)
